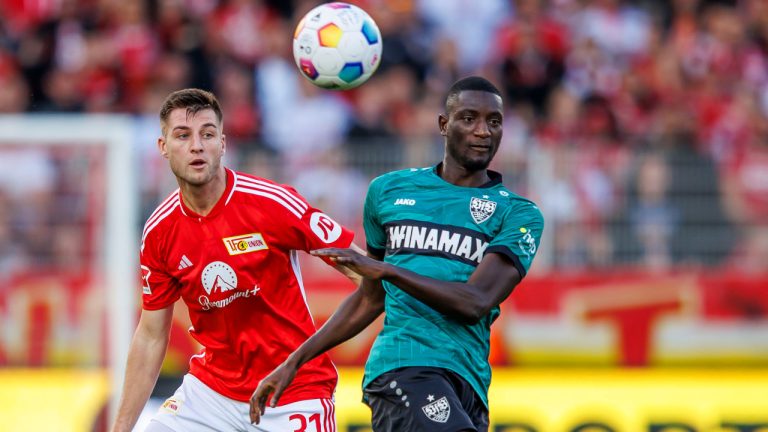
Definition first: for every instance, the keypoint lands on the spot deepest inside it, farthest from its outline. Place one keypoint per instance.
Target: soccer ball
(337, 46)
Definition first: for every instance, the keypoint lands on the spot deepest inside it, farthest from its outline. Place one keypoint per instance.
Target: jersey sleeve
(159, 289)
(520, 236)
(315, 229)
(375, 237)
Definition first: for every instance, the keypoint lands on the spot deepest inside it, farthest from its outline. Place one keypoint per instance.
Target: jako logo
(405, 201)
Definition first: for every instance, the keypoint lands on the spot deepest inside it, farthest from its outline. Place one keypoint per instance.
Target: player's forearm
(457, 300)
(143, 367)
(354, 314)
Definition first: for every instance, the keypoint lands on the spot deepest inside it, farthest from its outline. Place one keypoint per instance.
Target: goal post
(117, 240)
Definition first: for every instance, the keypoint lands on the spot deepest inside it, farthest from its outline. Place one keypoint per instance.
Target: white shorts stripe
(325, 426)
(331, 416)
(278, 190)
(329, 413)
(273, 197)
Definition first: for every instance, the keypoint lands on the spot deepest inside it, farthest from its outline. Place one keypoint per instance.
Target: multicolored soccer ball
(337, 46)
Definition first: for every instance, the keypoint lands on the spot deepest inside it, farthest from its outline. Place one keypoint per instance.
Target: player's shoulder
(249, 188)
(400, 176)
(164, 213)
(518, 204)
(242, 177)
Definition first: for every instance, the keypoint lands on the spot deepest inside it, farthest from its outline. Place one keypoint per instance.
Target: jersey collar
(220, 204)
(495, 177)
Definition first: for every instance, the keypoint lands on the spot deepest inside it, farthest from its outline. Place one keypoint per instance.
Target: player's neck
(460, 176)
(201, 199)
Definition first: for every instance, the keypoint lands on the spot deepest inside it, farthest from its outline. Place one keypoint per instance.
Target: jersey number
(303, 421)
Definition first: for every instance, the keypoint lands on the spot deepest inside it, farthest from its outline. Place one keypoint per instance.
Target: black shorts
(425, 399)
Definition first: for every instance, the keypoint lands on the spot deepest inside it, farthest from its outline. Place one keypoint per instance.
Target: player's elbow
(470, 313)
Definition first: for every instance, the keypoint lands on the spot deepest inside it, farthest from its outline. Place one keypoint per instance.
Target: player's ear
(162, 147)
(223, 143)
(442, 123)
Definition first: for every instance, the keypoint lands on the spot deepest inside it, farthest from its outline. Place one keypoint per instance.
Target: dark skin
(472, 129)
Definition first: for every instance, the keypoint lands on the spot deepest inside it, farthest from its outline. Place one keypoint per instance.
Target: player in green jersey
(446, 245)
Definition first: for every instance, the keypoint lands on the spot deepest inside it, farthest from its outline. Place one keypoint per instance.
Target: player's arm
(354, 314)
(492, 282)
(349, 273)
(146, 354)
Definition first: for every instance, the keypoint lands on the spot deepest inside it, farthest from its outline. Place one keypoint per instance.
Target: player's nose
(196, 144)
(482, 129)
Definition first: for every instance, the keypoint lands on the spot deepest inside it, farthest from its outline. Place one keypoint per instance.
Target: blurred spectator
(333, 184)
(235, 29)
(234, 85)
(13, 253)
(745, 190)
(372, 130)
(408, 39)
(471, 26)
(14, 94)
(653, 218)
(615, 27)
(62, 92)
(603, 96)
(705, 236)
(533, 48)
(27, 182)
(299, 119)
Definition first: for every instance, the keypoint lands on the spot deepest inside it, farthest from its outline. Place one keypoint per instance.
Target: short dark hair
(194, 100)
(469, 83)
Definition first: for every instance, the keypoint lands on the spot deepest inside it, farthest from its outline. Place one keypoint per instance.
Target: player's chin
(477, 163)
(197, 178)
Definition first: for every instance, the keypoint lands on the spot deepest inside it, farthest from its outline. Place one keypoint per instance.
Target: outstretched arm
(349, 273)
(354, 314)
(148, 347)
(492, 282)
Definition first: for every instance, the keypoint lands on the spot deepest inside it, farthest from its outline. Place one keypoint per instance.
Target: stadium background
(640, 128)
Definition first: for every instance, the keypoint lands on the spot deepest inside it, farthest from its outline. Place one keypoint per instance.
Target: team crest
(438, 411)
(171, 405)
(481, 209)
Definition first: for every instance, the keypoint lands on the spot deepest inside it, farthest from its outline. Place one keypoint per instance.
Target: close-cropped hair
(476, 83)
(193, 100)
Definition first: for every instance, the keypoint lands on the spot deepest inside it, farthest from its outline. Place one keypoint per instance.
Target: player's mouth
(480, 147)
(198, 163)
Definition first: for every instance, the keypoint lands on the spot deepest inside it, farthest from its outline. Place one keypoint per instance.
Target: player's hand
(363, 265)
(274, 383)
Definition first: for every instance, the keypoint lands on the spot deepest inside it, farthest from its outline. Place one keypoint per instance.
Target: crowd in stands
(640, 127)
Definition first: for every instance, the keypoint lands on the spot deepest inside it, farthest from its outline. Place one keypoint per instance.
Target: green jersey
(422, 223)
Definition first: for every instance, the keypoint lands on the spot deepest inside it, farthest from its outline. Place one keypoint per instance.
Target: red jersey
(237, 270)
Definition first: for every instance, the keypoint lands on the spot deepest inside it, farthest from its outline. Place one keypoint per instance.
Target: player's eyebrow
(185, 127)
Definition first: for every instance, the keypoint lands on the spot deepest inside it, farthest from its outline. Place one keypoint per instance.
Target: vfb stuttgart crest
(481, 209)
(438, 411)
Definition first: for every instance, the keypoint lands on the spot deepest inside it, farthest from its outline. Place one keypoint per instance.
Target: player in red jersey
(225, 242)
